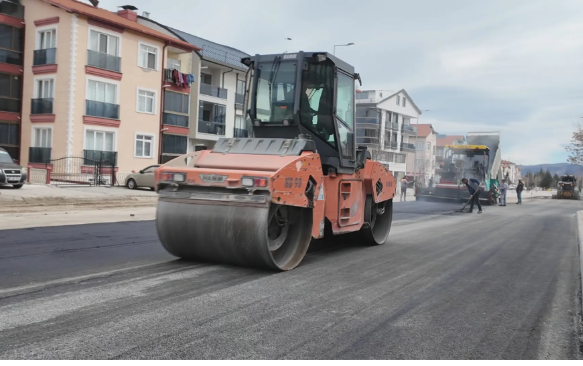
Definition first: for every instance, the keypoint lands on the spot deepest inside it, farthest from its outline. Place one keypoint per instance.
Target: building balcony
(101, 109)
(391, 145)
(105, 158)
(407, 146)
(213, 128)
(175, 120)
(47, 56)
(41, 106)
(393, 126)
(213, 91)
(103, 61)
(39, 155)
(12, 9)
(10, 57)
(367, 120)
(409, 129)
(9, 105)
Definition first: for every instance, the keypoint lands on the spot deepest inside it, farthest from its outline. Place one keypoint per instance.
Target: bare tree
(575, 148)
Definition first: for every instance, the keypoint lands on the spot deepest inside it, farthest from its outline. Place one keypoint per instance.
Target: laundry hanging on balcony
(181, 79)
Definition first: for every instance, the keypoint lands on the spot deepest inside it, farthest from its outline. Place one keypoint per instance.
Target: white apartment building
(383, 124)
(215, 106)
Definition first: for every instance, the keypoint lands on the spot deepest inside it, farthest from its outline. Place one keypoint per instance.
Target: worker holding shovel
(474, 189)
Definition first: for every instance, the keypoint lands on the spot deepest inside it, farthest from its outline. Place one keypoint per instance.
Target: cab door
(344, 114)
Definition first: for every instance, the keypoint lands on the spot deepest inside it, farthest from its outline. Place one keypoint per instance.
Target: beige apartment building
(421, 162)
(100, 87)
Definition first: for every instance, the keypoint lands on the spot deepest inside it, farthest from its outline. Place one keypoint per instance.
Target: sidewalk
(35, 198)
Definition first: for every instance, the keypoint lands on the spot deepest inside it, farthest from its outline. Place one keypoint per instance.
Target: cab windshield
(276, 83)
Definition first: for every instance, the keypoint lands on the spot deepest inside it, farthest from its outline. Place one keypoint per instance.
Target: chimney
(128, 12)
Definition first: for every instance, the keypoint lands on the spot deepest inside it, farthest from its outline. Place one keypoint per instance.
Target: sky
(514, 66)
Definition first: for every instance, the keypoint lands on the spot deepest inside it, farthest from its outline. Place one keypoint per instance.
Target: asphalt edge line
(36, 287)
(580, 240)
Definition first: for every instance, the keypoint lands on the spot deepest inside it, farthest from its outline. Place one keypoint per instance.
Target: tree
(575, 148)
(546, 180)
(555, 179)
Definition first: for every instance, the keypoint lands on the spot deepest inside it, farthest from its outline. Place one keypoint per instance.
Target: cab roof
(294, 55)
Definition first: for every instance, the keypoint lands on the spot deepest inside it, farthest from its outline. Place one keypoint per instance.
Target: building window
(47, 39)
(99, 140)
(8, 133)
(146, 101)
(404, 102)
(45, 88)
(148, 57)
(420, 146)
(174, 144)
(42, 137)
(211, 118)
(10, 90)
(102, 92)
(206, 78)
(11, 45)
(175, 102)
(173, 64)
(104, 43)
(398, 100)
(144, 146)
(429, 146)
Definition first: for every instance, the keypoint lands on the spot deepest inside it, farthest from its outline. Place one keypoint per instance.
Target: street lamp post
(342, 45)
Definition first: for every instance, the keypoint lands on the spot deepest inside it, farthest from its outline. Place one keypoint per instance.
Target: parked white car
(142, 179)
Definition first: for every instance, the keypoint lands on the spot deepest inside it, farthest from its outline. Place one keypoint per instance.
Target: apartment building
(421, 162)
(11, 72)
(383, 124)
(216, 104)
(510, 171)
(94, 87)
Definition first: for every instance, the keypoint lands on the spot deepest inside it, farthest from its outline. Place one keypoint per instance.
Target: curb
(580, 241)
(31, 204)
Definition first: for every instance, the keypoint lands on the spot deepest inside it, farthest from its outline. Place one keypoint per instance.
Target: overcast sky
(514, 66)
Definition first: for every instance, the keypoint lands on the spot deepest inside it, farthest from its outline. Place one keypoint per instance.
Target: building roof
(410, 100)
(448, 139)
(424, 130)
(213, 51)
(507, 162)
(110, 17)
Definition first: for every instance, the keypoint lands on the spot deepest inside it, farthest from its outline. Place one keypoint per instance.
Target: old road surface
(501, 285)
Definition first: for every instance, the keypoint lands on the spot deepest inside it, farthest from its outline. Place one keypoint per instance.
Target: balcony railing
(106, 158)
(101, 109)
(103, 61)
(175, 119)
(39, 155)
(10, 57)
(407, 146)
(47, 56)
(393, 126)
(391, 145)
(213, 91)
(12, 9)
(367, 120)
(213, 128)
(9, 105)
(41, 106)
(239, 98)
(409, 129)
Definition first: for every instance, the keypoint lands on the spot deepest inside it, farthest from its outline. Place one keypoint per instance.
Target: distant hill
(559, 169)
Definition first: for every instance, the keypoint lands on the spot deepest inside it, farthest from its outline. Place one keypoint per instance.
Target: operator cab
(305, 93)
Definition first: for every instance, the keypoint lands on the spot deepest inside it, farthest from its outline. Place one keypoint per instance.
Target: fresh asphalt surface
(501, 285)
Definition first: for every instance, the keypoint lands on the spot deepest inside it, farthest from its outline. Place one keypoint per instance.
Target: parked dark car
(10, 172)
